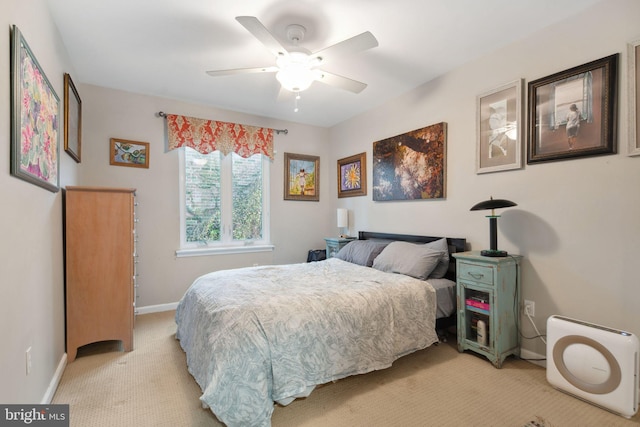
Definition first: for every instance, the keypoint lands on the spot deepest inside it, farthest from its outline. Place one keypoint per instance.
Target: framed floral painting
(352, 176)
(35, 121)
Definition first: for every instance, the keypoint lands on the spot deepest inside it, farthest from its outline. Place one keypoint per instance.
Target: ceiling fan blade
(216, 73)
(259, 31)
(355, 44)
(339, 81)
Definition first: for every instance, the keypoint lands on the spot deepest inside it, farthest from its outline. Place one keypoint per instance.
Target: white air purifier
(594, 363)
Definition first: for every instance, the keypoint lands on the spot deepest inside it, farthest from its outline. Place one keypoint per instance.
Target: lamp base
(493, 253)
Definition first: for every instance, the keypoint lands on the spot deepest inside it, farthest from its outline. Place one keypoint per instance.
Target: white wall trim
(157, 308)
(53, 385)
(223, 250)
(528, 354)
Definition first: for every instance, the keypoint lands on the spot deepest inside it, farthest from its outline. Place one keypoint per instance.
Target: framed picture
(35, 123)
(352, 176)
(498, 128)
(634, 97)
(72, 119)
(572, 113)
(129, 153)
(301, 177)
(412, 165)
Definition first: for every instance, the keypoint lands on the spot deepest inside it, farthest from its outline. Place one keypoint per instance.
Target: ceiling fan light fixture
(295, 78)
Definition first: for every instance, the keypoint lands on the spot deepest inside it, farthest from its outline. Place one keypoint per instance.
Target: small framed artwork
(35, 122)
(572, 113)
(301, 177)
(129, 153)
(498, 122)
(411, 166)
(634, 97)
(72, 119)
(352, 176)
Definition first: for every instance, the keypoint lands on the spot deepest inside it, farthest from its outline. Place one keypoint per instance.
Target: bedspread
(259, 335)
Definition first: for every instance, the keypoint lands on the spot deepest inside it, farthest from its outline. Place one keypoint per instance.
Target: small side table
(488, 292)
(334, 244)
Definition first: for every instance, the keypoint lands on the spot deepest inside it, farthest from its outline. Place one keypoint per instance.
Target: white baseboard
(527, 354)
(53, 385)
(157, 308)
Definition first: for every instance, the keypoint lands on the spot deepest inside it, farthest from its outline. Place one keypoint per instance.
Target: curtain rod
(278, 131)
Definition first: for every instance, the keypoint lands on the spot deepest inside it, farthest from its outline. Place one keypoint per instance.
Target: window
(224, 203)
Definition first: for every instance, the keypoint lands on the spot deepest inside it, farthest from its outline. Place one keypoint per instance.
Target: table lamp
(493, 204)
(343, 220)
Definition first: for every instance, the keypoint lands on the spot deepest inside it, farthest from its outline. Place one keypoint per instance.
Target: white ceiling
(164, 47)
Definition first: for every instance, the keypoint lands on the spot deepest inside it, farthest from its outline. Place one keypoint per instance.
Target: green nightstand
(488, 305)
(334, 244)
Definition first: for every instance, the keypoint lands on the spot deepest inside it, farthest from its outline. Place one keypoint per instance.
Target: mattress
(445, 296)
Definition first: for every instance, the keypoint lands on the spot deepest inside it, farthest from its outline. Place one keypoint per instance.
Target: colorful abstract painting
(35, 123)
(412, 165)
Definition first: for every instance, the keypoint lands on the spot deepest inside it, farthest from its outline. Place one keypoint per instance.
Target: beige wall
(296, 226)
(576, 221)
(31, 268)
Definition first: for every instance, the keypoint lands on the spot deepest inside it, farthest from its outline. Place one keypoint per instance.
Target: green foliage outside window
(247, 198)
(204, 197)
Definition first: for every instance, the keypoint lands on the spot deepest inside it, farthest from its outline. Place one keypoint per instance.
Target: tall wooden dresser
(99, 230)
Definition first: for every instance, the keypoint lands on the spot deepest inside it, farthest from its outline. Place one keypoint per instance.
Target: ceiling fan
(296, 67)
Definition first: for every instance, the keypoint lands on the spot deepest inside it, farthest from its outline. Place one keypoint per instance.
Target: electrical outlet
(28, 360)
(530, 308)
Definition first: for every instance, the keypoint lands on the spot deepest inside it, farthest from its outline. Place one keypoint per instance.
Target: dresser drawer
(475, 272)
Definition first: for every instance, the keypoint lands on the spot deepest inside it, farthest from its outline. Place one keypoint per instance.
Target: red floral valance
(206, 136)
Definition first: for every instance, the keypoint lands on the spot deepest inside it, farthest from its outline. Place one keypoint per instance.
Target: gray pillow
(361, 252)
(408, 258)
(443, 266)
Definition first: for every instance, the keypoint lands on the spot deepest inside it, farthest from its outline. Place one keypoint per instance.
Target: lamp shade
(343, 217)
(493, 204)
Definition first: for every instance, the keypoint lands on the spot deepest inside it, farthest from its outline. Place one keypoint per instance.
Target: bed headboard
(455, 244)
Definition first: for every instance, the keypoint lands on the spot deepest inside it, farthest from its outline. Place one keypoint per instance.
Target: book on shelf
(477, 304)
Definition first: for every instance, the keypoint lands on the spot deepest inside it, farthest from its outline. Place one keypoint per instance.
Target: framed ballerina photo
(499, 135)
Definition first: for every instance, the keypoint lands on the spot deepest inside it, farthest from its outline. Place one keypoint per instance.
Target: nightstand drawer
(477, 273)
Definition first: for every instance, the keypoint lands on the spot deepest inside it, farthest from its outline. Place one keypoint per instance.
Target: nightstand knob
(476, 276)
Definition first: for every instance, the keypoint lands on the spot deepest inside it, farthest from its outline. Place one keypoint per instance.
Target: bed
(258, 335)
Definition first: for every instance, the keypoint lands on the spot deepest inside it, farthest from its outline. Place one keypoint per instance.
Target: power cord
(534, 327)
(517, 318)
(539, 335)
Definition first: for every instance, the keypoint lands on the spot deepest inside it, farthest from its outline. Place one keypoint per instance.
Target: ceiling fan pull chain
(295, 109)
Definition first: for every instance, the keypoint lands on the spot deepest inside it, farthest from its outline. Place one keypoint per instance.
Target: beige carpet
(438, 386)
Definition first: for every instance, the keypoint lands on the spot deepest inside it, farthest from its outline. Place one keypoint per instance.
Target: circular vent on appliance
(587, 364)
